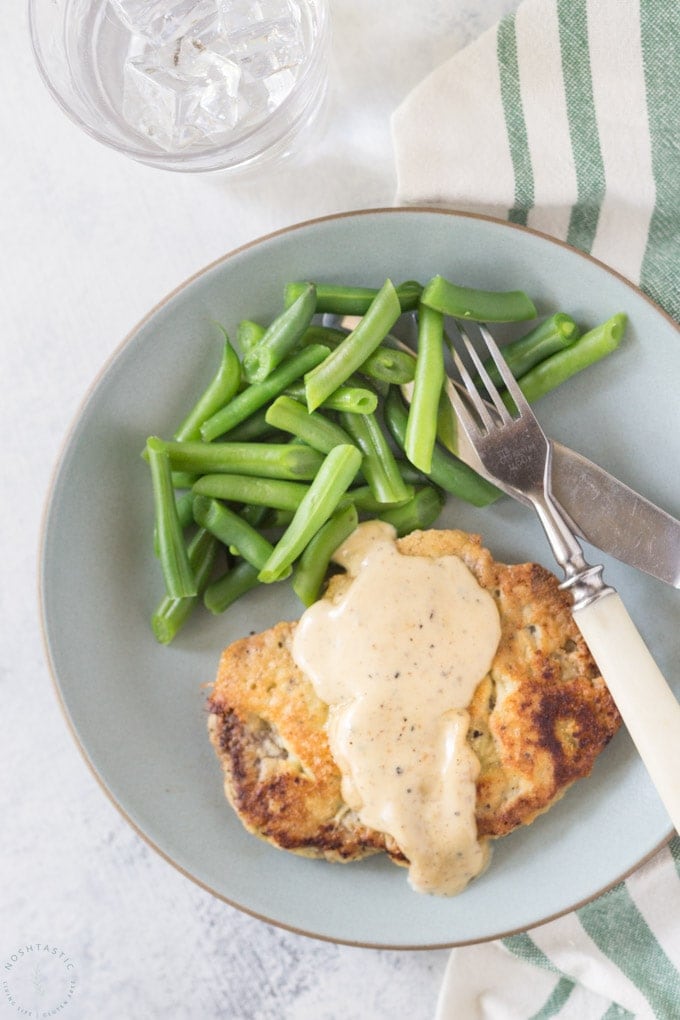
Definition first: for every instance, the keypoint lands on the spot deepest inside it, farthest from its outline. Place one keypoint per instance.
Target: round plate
(138, 709)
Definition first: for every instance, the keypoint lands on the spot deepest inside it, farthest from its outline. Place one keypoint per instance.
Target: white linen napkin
(565, 117)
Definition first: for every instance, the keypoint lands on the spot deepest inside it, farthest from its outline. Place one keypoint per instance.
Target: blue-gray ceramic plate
(138, 709)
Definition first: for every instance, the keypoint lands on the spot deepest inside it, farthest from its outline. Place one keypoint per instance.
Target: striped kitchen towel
(617, 957)
(565, 117)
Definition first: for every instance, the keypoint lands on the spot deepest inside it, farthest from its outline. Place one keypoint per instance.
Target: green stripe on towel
(660, 34)
(557, 1000)
(638, 955)
(585, 142)
(523, 946)
(508, 67)
(618, 1013)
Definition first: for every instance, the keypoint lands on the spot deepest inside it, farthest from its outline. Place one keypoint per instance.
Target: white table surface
(90, 242)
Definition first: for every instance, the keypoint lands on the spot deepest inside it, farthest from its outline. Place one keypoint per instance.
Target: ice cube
(262, 64)
(159, 103)
(269, 49)
(254, 100)
(161, 21)
(263, 24)
(181, 95)
(196, 82)
(238, 15)
(210, 57)
(219, 105)
(219, 109)
(278, 86)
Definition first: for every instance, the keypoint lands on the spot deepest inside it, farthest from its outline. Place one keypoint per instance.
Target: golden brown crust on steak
(538, 720)
(267, 728)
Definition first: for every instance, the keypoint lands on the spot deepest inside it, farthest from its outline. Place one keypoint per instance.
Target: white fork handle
(647, 705)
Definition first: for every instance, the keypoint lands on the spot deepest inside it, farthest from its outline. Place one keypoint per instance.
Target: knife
(615, 518)
(602, 510)
(609, 514)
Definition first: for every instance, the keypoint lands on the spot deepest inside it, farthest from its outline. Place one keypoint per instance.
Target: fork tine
(462, 410)
(511, 384)
(492, 391)
(473, 394)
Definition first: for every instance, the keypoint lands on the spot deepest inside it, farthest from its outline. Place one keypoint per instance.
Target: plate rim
(48, 504)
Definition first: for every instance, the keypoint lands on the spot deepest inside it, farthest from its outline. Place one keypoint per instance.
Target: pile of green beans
(306, 432)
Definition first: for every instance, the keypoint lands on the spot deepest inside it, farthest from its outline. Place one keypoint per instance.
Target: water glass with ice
(187, 84)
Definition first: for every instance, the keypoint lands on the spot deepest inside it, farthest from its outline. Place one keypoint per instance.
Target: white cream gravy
(397, 658)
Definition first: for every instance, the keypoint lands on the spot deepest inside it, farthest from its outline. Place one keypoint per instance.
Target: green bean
(353, 399)
(185, 515)
(385, 364)
(475, 304)
(423, 414)
(263, 460)
(410, 474)
(378, 464)
(589, 348)
(313, 562)
(296, 480)
(339, 300)
(366, 503)
(181, 479)
(409, 295)
(333, 371)
(317, 431)
(171, 614)
(264, 519)
(252, 514)
(219, 392)
(252, 428)
(447, 424)
(328, 336)
(390, 366)
(364, 500)
(277, 519)
(172, 551)
(272, 492)
(248, 334)
(325, 492)
(281, 337)
(223, 592)
(256, 396)
(552, 335)
(419, 513)
(449, 473)
(232, 530)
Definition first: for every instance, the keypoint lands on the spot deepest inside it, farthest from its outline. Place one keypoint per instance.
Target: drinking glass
(186, 85)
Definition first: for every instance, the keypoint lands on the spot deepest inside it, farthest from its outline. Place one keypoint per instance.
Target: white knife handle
(647, 705)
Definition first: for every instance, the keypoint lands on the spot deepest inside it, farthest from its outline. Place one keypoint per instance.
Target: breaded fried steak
(538, 719)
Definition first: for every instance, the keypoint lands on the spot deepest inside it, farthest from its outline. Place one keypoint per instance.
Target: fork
(511, 450)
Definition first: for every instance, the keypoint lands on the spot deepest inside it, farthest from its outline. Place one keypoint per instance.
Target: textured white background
(88, 243)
